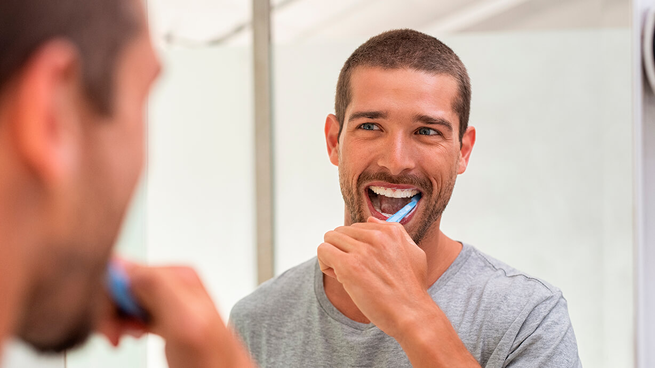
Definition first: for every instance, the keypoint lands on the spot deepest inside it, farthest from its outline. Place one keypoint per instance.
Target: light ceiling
(199, 22)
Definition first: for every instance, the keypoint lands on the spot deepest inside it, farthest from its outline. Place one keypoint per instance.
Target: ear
(332, 129)
(468, 141)
(46, 120)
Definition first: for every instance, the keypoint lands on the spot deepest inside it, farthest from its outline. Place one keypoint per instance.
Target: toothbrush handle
(118, 285)
(398, 216)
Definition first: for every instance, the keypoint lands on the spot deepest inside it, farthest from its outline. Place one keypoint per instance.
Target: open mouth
(385, 201)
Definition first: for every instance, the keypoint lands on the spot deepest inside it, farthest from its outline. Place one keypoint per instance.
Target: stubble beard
(79, 265)
(433, 205)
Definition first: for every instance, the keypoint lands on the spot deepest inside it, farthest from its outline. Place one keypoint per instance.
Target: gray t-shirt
(504, 317)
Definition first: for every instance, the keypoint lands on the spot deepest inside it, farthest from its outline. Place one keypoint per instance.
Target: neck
(440, 251)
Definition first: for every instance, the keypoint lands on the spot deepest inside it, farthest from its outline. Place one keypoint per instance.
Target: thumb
(375, 220)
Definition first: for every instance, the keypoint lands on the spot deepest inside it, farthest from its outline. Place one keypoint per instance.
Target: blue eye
(368, 126)
(427, 131)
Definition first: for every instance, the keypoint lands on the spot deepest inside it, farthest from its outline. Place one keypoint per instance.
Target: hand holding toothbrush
(173, 303)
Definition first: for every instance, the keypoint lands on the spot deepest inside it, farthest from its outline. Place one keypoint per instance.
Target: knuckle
(355, 267)
(378, 236)
(329, 235)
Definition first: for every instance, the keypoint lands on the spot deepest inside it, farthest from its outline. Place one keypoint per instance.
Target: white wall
(549, 187)
(18, 355)
(200, 192)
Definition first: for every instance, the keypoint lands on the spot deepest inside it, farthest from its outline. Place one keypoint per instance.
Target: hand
(183, 314)
(382, 270)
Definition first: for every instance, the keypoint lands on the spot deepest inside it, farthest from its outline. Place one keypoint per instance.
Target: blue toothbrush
(118, 285)
(398, 216)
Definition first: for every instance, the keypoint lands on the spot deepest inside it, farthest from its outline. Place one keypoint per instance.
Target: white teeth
(394, 193)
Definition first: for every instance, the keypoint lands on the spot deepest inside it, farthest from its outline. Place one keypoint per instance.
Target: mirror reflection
(508, 122)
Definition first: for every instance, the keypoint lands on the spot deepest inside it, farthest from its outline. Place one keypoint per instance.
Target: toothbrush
(398, 216)
(118, 285)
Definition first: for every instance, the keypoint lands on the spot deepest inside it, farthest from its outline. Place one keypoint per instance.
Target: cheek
(355, 156)
(137, 150)
(128, 158)
(440, 166)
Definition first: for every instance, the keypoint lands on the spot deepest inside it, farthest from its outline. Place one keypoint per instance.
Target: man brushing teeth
(385, 294)
(384, 201)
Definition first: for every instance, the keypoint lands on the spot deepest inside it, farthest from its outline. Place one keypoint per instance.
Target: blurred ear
(332, 128)
(468, 141)
(46, 122)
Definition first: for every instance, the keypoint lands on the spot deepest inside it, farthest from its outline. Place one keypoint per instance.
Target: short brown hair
(98, 28)
(406, 48)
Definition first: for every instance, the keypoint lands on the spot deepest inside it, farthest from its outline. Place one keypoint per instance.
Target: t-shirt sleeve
(546, 338)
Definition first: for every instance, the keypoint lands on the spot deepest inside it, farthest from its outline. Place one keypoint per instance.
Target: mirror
(548, 189)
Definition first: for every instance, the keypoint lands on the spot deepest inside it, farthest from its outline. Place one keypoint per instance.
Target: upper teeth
(394, 193)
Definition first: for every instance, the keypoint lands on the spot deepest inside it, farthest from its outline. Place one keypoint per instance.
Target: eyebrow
(426, 119)
(368, 115)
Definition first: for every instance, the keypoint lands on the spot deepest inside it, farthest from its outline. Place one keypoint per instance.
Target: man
(385, 294)
(74, 78)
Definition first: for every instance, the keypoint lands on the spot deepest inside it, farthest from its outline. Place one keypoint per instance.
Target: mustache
(422, 183)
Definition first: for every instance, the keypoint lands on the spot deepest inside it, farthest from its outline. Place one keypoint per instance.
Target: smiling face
(399, 139)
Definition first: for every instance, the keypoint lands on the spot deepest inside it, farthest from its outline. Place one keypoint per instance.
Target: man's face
(400, 138)
(88, 209)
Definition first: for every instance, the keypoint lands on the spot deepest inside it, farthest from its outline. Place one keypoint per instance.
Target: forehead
(403, 91)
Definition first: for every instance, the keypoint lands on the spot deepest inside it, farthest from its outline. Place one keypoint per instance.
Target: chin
(39, 338)
(62, 310)
(68, 342)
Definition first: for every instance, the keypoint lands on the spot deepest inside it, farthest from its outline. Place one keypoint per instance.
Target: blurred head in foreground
(74, 79)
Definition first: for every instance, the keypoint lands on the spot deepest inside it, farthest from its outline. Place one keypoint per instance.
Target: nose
(396, 155)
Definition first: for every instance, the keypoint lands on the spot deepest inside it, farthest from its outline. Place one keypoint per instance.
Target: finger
(362, 235)
(342, 239)
(374, 231)
(329, 272)
(159, 293)
(373, 223)
(329, 257)
(113, 326)
(375, 220)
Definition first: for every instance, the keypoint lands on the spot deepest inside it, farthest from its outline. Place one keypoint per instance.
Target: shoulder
(504, 281)
(278, 294)
(531, 313)
(501, 297)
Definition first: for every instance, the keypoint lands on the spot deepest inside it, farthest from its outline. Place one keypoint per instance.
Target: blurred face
(400, 139)
(87, 209)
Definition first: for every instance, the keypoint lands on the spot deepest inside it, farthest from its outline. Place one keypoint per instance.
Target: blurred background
(549, 189)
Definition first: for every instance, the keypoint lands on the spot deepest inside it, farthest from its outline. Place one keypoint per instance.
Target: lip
(375, 213)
